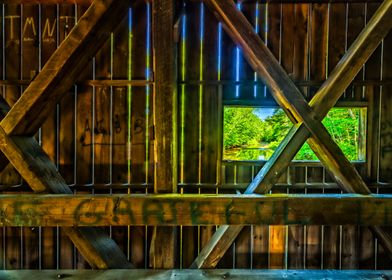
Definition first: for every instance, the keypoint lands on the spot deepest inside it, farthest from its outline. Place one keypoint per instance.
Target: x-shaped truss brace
(305, 116)
(24, 119)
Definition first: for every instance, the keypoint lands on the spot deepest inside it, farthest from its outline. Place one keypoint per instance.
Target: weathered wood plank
(277, 33)
(163, 243)
(64, 66)
(385, 146)
(102, 120)
(296, 234)
(318, 51)
(190, 96)
(66, 122)
(12, 38)
(138, 115)
(196, 274)
(165, 98)
(120, 131)
(87, 2)
(121, 97)
(173, 209)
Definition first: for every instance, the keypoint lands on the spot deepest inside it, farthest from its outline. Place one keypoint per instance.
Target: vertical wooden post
(163, 244)
(373, 132)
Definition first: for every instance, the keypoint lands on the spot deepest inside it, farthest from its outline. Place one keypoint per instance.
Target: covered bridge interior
(163, 138)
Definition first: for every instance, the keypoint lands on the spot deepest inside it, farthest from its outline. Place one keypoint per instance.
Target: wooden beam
(195, 209)
(197, 274)
(63, 67)
(185, 274)
(165, 98)
(87, 2)
(47, 2)
(346, 70)
(164, 239)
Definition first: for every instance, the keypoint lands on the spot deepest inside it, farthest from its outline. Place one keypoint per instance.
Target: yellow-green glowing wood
(176, 209)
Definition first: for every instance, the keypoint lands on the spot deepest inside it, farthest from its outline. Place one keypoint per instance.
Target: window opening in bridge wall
(253, 133)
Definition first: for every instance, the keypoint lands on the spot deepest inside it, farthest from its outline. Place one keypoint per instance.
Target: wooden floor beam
(185, 274)
(194, 209)
(87, 2)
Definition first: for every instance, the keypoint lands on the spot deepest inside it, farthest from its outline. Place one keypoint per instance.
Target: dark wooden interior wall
(100, 135)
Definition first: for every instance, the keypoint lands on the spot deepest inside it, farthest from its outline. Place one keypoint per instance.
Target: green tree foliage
(241, 127)
(248, 137)
(276, 128)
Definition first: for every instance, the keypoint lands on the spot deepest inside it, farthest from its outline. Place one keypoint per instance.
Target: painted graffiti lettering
(197, 211)
(48, 32)
(30, 29)
(67, 23)
(122, 207)
(11, 22)
(29, 210)
(139, 126)
(120, 210)
(152, 208)
(88, 212)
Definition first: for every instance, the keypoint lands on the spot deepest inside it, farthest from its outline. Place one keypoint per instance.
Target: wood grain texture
(287, 94)
(87, 2)
(64, 66)
(136, 240)
(342, 75)
(163, 253)
(173, 209)
(197, 274)
(41, 174)
(165, 98)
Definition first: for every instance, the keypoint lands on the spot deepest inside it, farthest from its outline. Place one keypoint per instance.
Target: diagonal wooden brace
(325, 99)
(286, 93)
(32, 108)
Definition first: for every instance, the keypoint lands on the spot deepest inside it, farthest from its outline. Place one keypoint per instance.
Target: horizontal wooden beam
(35, 2)
(175, 209)
(195, 274)
(87, 2)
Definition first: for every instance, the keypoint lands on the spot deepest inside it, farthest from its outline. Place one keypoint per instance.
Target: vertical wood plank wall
(100, 136)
